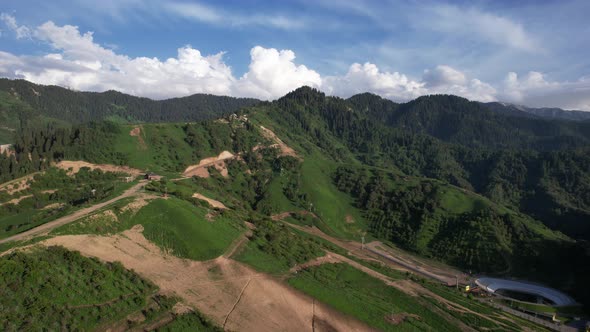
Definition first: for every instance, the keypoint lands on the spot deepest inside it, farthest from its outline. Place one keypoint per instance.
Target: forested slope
(477, 207)
(22, 101)
(400, 173)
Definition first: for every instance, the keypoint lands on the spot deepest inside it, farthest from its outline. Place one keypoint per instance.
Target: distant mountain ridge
(542, 112)
(78, 107)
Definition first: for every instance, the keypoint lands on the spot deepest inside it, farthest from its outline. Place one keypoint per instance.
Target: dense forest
(64, 105)
(540, 167)
(440, 176)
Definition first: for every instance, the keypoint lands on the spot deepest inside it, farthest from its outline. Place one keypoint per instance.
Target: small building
(152, 176)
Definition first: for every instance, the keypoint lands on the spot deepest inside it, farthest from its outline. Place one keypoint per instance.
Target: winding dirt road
(45, 228)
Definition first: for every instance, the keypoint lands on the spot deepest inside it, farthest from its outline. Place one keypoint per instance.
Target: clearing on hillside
(75, 166)
(214, 203)
(233, 295)
(218, 162)
(285, 149)
(136, 132)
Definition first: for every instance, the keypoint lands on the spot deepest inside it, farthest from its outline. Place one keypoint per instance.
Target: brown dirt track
(285, 149)
(75, 166)
(212, 202)
(230, 293)
(218, 162)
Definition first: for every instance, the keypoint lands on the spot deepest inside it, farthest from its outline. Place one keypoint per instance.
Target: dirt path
(331, 258)
(45, 228)
(137, 132)
(16, 200)
(285, 149)
(376, 246)
(407, 286)
(222, 289)
(373, 251)
(212, 202)
(75, 166)
(218, 162)
(17, 184)
(353, 248)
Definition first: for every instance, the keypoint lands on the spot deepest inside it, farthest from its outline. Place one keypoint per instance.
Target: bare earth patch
(349, 219)
(218, 162)
(17, 200)
(138, 203)
(212, 202)
(235, 297)
(399, 318)
(53, 206)
(136, 132)
(107, 215)
(73, 167)
(17, 185)
(285, 149)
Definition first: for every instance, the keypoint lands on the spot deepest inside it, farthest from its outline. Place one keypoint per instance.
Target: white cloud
(273, 73)
(535, 90)
(78, 62)
(477, 25)
(208, 14)
(21, 31)
(444, 79)
(82, 64)
(368, 77)
(443, 75)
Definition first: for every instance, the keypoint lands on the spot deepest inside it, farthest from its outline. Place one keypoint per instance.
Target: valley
(304, 213)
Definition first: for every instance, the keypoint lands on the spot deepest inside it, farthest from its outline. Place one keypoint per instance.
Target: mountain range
(497, 191)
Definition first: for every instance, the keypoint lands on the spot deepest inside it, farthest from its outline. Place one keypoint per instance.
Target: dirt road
(45, 228)
(374, 250)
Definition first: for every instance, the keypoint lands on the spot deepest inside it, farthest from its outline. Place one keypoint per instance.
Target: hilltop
(411, 177)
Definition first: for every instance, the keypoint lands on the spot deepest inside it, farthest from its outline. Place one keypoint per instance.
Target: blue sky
(526, 52)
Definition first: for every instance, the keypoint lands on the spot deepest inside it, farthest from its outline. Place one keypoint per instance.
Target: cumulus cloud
(78, 62)
(273, 73)
(20, 30)
(448, 80)
(367, 77)
(443, 75)
(82, 64)
(533, 89)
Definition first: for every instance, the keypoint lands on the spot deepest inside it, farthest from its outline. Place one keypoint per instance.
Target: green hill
(362, 170)
(64, 105)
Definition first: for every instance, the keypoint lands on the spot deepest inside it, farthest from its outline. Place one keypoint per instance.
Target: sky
(528, 52)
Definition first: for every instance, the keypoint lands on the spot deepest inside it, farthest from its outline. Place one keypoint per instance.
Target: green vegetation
(53, 194)
(78, 107)
(366, 298)
(542, 176)
(59, 289)
(274, 248)
(532, 307)
(439, 176)
(173, 224)
(190, 322)
(442, 221)
(183, 228)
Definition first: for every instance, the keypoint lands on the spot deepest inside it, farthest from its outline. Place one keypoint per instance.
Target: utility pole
(362, 243)
(457, 281)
